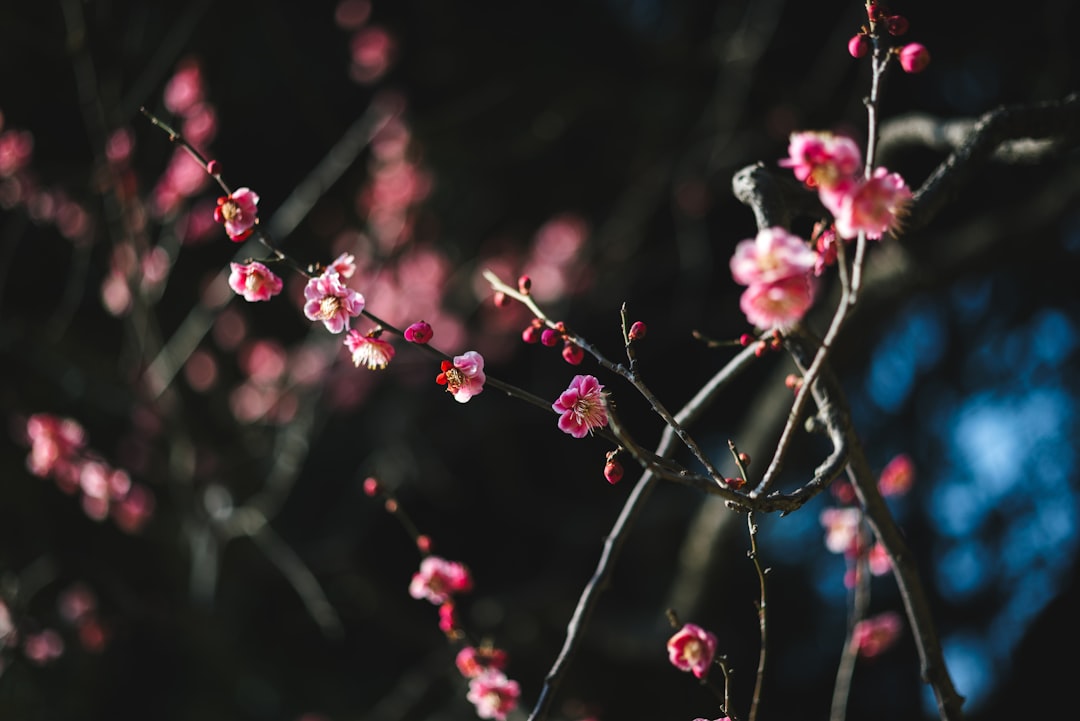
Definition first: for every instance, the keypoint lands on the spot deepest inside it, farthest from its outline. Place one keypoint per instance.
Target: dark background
(632, 115)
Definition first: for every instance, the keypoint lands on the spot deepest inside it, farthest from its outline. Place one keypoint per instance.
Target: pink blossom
(345, 265)
(55, 445)
(873, 636)
(843, 527)
(448, 620)
(898, 476)
(874, 206)
(439, 579)
(692, 649)
(237, 212)
(368, 350)
(822, 159)
(331, 302)
(464, 377)
(43, 647)
(773, 255)
(493, 694)
(581, 406)
(472, 661)
(777, 305)
(254, 281)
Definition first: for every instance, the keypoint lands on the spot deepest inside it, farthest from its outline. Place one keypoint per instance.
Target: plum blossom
(439, 579)
(254, 281)
(779, 304)
(897, 476)
(368, 350)
(873, 636)
(823, 160)
(345, 265)
(773, 255)
(237, 212)
(581, 406)
(493, 694)
(874, 206)
(331, 301)
(472, 661)
(777, 268)
(692, 649)
(842, 530)
(464, 376)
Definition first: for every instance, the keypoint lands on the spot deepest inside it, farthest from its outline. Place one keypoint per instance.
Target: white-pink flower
(874, 206)
(822, 159)
(254, 281)
(345, 265)
(237, 212)
(581, 406)
(773, 255)
(692, 649)
(331, 301)
(369, 351)
(464, 376)
(439, 579)
(780, 304)
(493, 694)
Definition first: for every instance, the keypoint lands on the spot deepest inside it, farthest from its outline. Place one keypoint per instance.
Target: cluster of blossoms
(77, 607)
(778, 267)
(845, 534)
(493, 694)
(58, 451)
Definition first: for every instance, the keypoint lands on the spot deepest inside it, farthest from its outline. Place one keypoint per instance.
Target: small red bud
(372, 487)
(573, 354)
(914, 58)
(897, 24)
(391, 505)
(524, 284)
(637, 330)
(745, 339)
(735, 483)
(858, 46)
(744, 459)
(613, 472)
(213, 167)
(761, 349)
(423, 543)
(549, 337)
(531, 334)
(500, 299)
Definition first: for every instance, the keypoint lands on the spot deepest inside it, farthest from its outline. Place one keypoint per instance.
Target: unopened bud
(858, 46)
(613, 472)
(524, 284)
(914, 58)
(573, 354)
(637, 330)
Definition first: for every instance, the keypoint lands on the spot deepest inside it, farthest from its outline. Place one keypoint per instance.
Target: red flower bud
(549, 337)
(637, 330)
(914, 58)
(613, 472)
(858, 46)
(573, 354)
(524, 284)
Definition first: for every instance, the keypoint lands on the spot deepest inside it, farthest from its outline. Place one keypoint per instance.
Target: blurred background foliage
(592, 143)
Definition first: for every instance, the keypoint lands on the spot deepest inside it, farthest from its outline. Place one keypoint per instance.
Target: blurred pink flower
(493, 694)
(875, 206)
(823, 160)
(773, 255)
(439, 579)
(692, 649)
(779, 304)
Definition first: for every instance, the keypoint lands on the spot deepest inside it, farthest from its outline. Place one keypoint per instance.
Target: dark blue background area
(603, 108)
